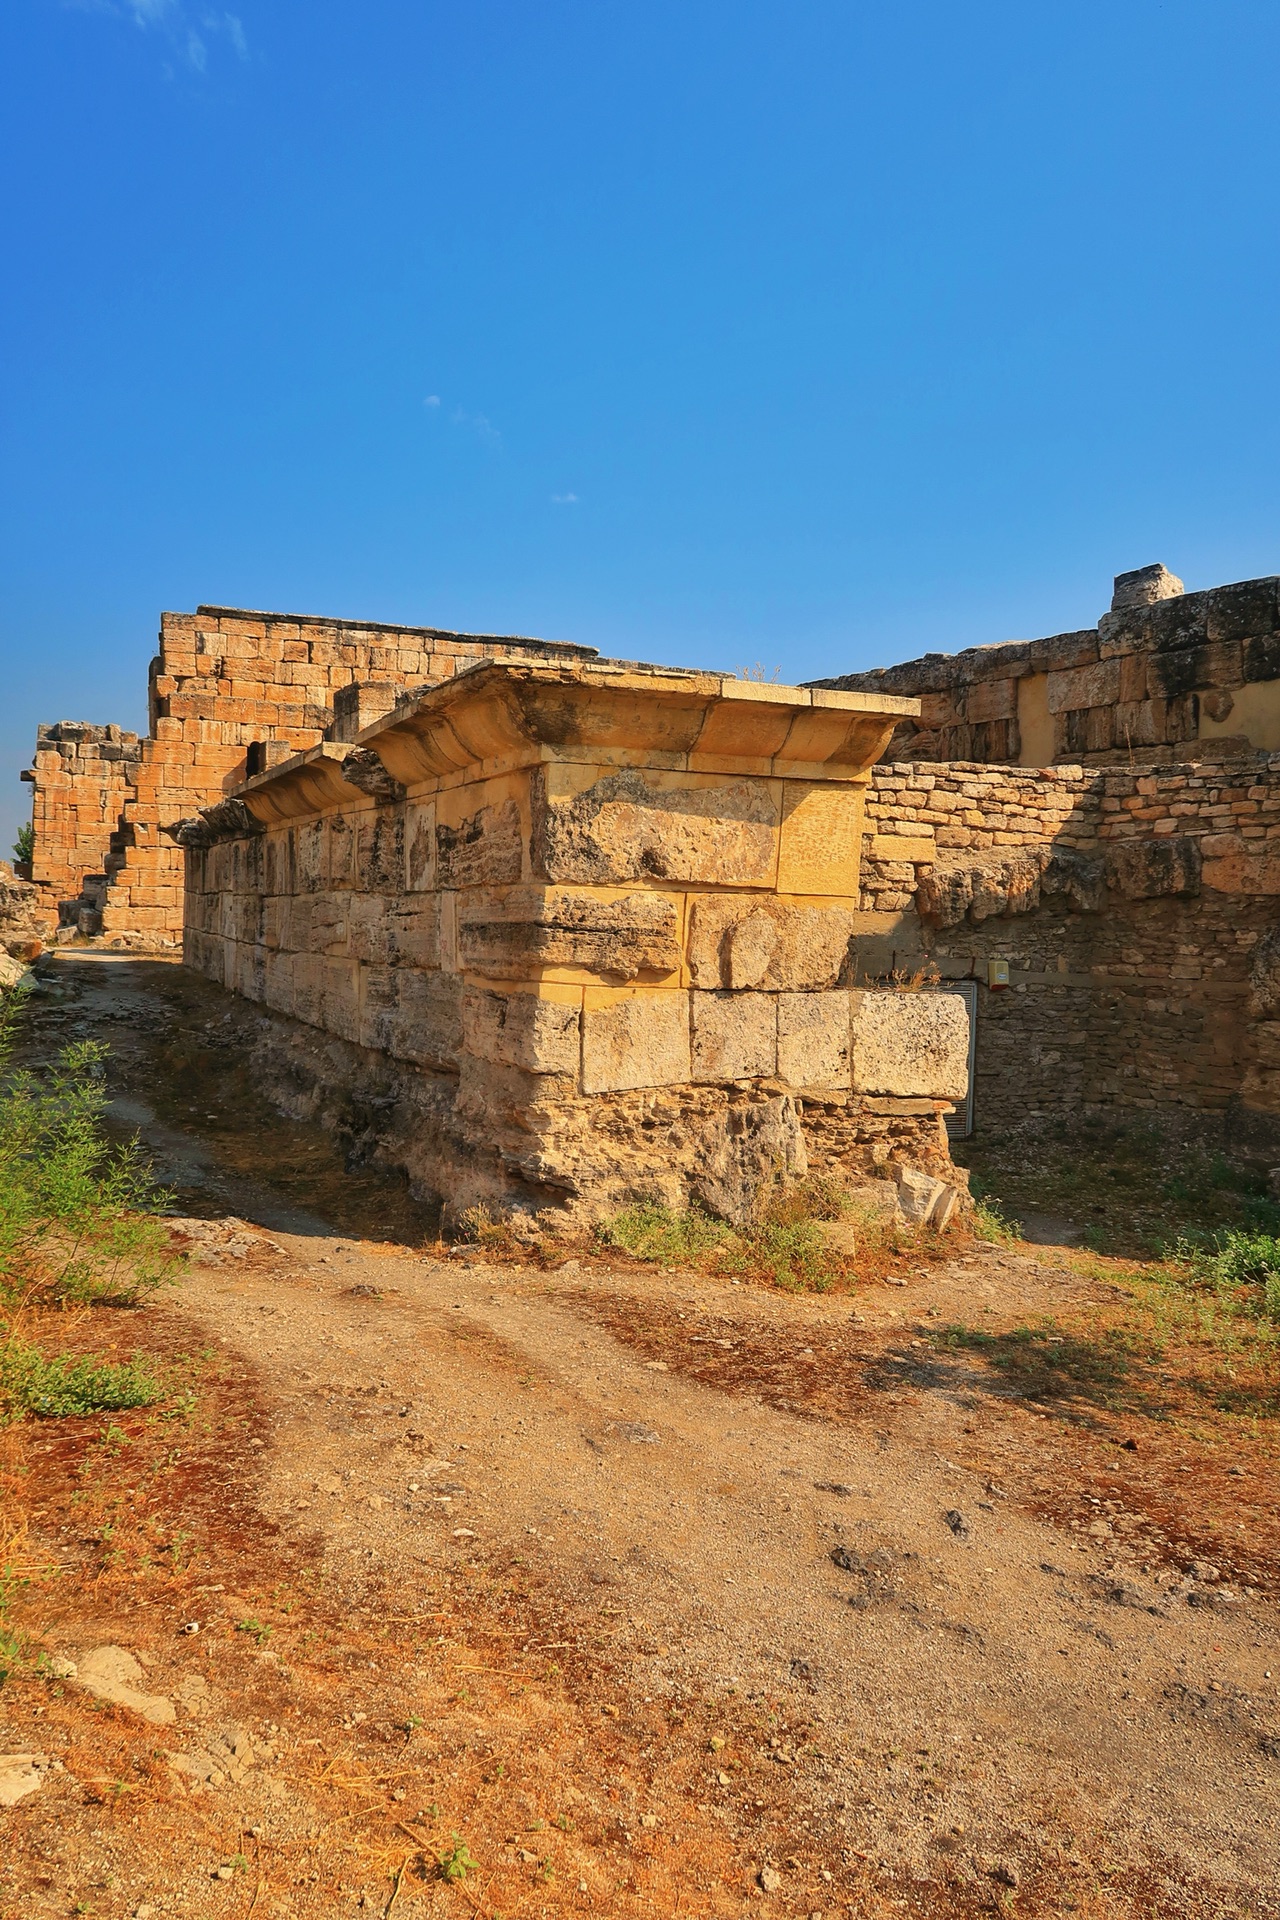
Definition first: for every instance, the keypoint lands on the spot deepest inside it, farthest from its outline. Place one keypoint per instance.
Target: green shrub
(25, 845)
(77, 1215)
(656, 1233)
(56, 1388)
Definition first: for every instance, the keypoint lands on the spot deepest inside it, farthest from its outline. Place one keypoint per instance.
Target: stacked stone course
(1165, 676)
(1136, 908)
(82, 778)
(224, 680)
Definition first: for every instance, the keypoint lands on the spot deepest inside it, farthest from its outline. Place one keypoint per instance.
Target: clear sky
(813, 332)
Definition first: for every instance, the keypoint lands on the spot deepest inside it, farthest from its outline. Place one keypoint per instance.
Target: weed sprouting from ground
(77, 1215)
(785, 1245)
(56, 1388)
(78, 1227)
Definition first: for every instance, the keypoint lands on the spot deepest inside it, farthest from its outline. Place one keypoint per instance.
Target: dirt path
(821, 1592)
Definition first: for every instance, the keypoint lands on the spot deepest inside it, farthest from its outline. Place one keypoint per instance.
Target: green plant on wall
(25, 845)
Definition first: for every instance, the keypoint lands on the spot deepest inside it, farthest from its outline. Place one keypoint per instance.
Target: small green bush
(57, 1388)
(25, 845)
(77, 1215)
(656, 1233)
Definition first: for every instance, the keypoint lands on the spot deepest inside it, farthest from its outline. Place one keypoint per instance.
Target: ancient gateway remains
(584, 933)
(582, 929)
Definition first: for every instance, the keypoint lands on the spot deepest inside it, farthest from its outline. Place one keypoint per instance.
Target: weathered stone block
(1245, 609)
(1149, 869)
(634, 1040)
(1090, 686)
(991, 700)
(523, 1030)
(517, 932)
(820, 844)
(734, 1036)
(411, 1015)
(420, 845)
(627, 825)
(486, 848)
(813, 1039)
(380, 851)
(913, 1045)
(401, 931)
(764, 942)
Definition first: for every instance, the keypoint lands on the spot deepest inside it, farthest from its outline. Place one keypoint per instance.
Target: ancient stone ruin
(1165, 676)
(585, 935)
(573, 930)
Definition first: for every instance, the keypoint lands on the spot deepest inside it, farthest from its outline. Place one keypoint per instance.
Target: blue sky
(713, 332)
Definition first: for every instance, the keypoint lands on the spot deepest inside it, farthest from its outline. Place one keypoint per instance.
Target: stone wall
(224, 682)
(1138, 911)
(1164, 677)
(82, 777)
(580, 936)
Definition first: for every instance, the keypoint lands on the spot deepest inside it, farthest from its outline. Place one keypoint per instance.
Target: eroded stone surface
(813, 1039)
(915, 1045)
(734, 1036)
(635, 1040)
(631, 825)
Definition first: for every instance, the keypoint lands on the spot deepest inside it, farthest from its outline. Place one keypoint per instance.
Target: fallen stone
(957, 1523)
(770, 1880)
(111, 1673)
(20, 1774)
(926, 1202)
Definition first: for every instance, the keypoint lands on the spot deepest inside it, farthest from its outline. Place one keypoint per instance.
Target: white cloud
(564, 499)
(432, 400)
(478, 423)
(187, 36)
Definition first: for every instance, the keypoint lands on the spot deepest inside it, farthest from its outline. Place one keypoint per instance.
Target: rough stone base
(584, 1158)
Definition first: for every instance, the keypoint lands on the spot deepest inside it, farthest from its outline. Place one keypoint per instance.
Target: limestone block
(310, 848)
(760, 941)
(991, 700)
(328, 922)
(420, 845)
(734, 1036)
(343, 847)
(485, 849)
(340, 987)
(742, 1153)
(912, 1045)
(523, 1030)
(515, 933)
(1091, 686)
(820, 845)
(634, 1040)
(411, 1015)
(1240, 611)
(1144, 586)
(380, 851)
(1150, 869)
(813, 1039)
(389, 930)
(627, 825)
(924, 1201)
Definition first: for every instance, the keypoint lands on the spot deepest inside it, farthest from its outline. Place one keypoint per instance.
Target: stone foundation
(579, 937)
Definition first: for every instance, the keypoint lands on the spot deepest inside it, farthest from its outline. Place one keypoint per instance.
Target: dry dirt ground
(519, 1587)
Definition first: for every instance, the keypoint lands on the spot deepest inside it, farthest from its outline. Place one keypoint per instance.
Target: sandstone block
(420, 845)
(628, 825)
(745, 942)
(411, 1015)
(734, 1036)
(485, 849)
(913, 1045)
(924, 1201)
(634, 1040)
(813, 1039)
(820, 844)
(515, 933)
(523, 1030)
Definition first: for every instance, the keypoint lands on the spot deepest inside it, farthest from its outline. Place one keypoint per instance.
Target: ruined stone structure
(227, 690)
(1165, 676)
(1136, 911)
(578, 935)
(83, 778)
